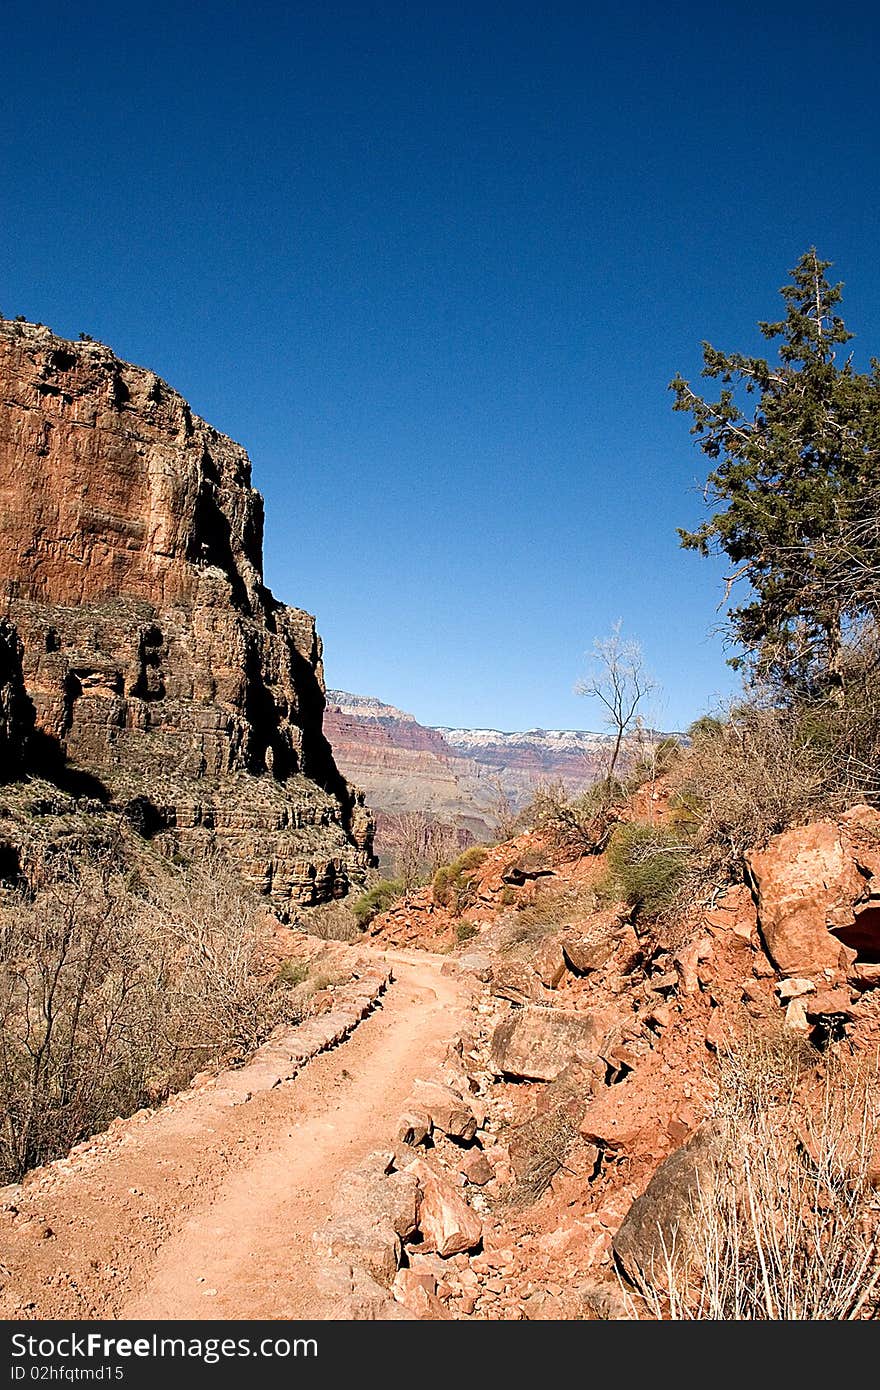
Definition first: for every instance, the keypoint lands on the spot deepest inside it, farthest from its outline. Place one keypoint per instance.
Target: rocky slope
(615, 1076)
(154, 662)
(455, 774)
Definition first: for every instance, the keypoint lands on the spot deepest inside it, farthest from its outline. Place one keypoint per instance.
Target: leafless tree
(619, 681)
(418, 844)
(507, 820)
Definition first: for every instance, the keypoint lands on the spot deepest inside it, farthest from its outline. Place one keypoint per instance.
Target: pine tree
(797, 474)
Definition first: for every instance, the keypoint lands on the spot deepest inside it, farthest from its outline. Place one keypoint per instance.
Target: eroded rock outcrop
(817, 888)
(153, 657)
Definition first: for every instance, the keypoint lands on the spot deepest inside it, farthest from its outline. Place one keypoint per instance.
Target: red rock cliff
(154, 657)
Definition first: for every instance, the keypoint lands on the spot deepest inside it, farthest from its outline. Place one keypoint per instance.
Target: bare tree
(418, 844)
(619, 681)
(507, 820)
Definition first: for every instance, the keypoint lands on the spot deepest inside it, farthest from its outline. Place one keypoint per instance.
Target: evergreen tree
(797, 475)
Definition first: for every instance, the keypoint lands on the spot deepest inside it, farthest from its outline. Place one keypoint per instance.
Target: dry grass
(114, 992)
(752, 774)
(785, 1223)
(334, 921)
(551, 910)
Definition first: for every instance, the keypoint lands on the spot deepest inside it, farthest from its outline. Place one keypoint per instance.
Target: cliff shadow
(44, 757)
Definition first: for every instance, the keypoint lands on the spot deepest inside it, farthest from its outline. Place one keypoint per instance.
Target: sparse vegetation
(416, 844)
(550, 910)
(466, 931)
(112, 997)
(580, 824)
(293, 972)
(784, 1226)
(377, 899)
(453, 883)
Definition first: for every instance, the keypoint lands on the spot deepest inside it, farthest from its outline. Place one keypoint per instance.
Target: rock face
(817, 889)
(154, 659)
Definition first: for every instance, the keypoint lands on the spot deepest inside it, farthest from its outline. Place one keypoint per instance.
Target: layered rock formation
(456, 774)
(154, 658)
(404, 766)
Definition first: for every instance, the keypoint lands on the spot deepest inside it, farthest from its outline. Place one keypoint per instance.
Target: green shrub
(646, 866)
(453, 883)
(293, 972)
(377, 899)
(466, 931)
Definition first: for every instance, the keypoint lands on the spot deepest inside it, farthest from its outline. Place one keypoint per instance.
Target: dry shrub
(551, 910)
(785, 1225)
(550, 1137)
(763, 768)
(113, 994)
(415, 844)
(580, 824)
(333, 921)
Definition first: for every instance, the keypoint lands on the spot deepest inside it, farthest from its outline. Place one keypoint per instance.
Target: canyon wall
(155, 661)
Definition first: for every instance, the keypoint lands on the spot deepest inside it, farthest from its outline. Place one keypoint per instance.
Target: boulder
(513, 980)
(666, 1217)
(818, 893)
(414, 1126)
(794, 988)
(476, 1169)
(447, 1109)
(539, 1145)
(537, 1043)
(364, 1244)
(354, 1295)
(476, 963)
(448, 1225)
(548, 962)
(418, 1293)
(374, 1212)
(589, 946)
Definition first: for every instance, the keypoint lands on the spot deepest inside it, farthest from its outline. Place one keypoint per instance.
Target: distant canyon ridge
(456, 775)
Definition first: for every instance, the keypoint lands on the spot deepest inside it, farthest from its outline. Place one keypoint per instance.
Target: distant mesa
(455, 774)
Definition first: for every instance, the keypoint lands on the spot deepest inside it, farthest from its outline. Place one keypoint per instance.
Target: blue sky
(434, 266)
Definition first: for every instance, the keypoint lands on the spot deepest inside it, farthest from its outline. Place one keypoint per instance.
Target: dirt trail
(216, 1220)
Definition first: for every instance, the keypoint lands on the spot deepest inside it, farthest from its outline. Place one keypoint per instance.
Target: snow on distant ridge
(559, 740)
(368, 707)
(562, 740)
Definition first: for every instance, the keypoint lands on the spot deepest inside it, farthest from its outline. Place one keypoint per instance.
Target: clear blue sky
(434, 265)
